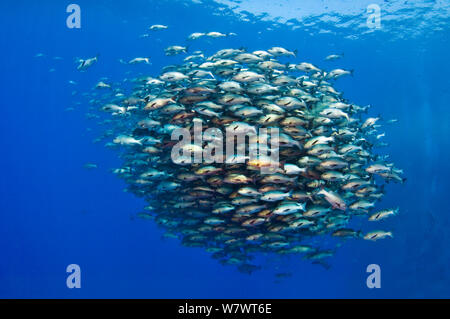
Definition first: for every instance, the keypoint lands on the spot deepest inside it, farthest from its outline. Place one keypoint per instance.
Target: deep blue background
(53, 212)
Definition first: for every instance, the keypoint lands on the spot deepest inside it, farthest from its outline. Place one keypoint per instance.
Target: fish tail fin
(295, 181)
(366, 108)
(322, 263)
(316, 191)
(351, 72)
(295, 52)
(303, 207)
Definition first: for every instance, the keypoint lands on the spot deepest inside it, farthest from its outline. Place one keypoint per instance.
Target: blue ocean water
(54, 212)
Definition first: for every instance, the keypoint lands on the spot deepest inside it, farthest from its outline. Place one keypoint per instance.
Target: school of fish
(328, 171)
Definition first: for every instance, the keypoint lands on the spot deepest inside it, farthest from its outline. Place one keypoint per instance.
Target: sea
(55, 212)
